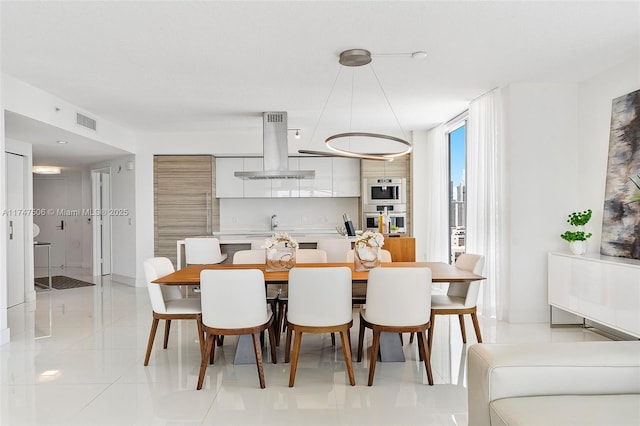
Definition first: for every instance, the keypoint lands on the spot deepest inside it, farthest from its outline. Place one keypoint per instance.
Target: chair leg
(360, 340)
(432, 320)
(411, 338)
(374, 355)
(287, 346)
(152, 336)
(220, 340)
(462, 328)
(425, 356)
(257, 348)
(333, 339)
(346, 349)
(167, 326)
(476, 326)
(297, 339)
(200, 336)
(272, 342)
(213, 349)
(208, 347)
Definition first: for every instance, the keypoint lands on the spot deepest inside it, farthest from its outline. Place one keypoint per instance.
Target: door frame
(98, 205)
(25, 150)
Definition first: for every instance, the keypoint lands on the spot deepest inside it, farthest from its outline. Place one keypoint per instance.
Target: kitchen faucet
(274, 222)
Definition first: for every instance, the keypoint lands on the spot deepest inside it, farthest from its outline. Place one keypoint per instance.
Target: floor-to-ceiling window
(457, 140)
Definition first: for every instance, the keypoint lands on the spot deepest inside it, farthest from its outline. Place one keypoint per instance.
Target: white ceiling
(178, 66)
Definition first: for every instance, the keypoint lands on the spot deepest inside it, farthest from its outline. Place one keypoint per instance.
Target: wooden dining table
(390, 350)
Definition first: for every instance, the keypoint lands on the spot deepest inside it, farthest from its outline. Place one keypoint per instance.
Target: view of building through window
(457, 190)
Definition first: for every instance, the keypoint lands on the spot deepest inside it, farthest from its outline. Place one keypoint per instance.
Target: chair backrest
(336, 248)
(233, 298)
(385, 256)
(399, 296)
(473, 263)
(249, 256)
(155, 268)
(202, 250)
(319, 296)
(311, 256)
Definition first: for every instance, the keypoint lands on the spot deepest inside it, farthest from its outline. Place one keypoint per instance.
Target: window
(457, 139)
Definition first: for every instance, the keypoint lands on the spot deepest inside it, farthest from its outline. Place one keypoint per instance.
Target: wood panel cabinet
(184, 205)
(403, 249)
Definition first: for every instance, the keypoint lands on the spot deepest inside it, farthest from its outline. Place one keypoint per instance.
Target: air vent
(85, 121)
(275, 117)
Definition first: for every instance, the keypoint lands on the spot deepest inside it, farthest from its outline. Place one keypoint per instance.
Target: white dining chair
(461, 298)
(385, 256)
(244, 311)
(302, 256)
(167, 303)
(398, 301)
(319, 302)
(202, 251)
(336, 248)
(360, 290)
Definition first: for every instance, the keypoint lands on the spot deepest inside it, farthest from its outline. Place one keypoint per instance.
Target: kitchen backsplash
(293, 214)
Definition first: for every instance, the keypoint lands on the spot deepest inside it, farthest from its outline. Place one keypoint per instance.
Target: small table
(37, 244)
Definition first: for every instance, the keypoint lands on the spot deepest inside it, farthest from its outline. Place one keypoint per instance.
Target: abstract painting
(621, 218)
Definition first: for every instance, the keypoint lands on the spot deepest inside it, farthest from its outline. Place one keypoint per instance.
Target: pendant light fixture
(339, 144)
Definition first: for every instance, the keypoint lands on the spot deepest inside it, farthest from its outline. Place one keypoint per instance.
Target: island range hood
(275, 151)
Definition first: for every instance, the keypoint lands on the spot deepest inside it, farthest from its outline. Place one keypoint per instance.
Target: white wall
(542, 170)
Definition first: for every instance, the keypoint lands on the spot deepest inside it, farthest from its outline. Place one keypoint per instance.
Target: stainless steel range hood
(275, 151)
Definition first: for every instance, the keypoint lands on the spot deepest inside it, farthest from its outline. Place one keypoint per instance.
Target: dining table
(390, 343)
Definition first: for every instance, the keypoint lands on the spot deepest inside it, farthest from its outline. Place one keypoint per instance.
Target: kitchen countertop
(301, 236)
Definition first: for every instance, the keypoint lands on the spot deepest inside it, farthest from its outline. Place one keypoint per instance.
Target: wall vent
(85, 121)
(275, 117)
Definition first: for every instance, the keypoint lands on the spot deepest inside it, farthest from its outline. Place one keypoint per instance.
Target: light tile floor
(75, 358)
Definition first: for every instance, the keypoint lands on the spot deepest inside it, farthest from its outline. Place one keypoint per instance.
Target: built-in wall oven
(397, 216)
(384, 191)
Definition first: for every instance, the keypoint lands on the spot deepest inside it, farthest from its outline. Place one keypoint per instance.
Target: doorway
(101, 220)
(50, 202)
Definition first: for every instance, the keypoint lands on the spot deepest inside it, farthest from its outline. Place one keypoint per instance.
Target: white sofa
(582, 383)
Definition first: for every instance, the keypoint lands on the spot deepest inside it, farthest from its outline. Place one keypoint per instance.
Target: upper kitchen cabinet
(227, 185)
(287, 188)
(255, 188)
(346, 177)
(322, 184)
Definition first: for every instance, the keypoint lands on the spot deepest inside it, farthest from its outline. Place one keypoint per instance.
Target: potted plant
(578, 239)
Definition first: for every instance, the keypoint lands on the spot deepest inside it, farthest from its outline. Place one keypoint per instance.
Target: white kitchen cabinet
(287, 188)
(256, 188)
(346, 177)
(322, 185)
(227, 185)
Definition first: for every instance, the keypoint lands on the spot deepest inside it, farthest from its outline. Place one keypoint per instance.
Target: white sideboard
(602, 289)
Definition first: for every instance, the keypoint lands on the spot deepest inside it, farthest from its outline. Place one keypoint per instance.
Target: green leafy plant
(575, 236)
(579, 218)
(635, 197)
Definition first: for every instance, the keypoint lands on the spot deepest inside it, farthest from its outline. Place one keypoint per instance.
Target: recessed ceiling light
(46, 170)
(419, 55)
(61, 142)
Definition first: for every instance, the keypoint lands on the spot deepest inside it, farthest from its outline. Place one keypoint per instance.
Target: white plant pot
(578, 247)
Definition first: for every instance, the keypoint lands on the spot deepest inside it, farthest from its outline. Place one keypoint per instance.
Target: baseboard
(124, 280)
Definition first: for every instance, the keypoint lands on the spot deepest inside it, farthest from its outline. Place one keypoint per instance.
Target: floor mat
(60, 282)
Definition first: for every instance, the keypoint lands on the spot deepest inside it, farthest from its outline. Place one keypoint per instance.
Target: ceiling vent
(85, 121)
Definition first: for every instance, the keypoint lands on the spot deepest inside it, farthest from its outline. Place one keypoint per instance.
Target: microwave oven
(398, 221)
(385, 191)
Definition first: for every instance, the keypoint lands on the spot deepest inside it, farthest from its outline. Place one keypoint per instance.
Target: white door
(50, 197)
(15, 228)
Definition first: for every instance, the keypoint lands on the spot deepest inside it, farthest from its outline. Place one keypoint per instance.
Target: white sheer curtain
(437, 196)
(486, 216)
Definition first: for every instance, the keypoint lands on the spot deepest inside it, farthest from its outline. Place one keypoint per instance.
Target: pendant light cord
(386, 98)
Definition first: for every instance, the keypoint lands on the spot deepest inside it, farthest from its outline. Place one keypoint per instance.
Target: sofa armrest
(497, 371)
